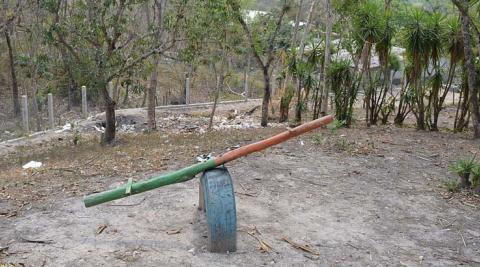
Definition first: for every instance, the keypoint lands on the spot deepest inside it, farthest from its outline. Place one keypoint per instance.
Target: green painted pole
(129, 189)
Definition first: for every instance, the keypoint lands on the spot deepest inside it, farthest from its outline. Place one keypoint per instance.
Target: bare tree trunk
(299, 108)
(326, 65)
(125, 97)
(16, 101)
(152, 90)
(215, 102)
(471, 74)
(151, 95)
(266, 98)
(109, 135)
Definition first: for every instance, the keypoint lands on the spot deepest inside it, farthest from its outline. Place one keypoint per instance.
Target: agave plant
(463, 168)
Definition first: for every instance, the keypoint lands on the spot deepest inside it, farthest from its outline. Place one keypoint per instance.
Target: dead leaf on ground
(306, 248)
(100, 229)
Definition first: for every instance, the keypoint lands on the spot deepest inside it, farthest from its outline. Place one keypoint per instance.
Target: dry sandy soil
(354, 197)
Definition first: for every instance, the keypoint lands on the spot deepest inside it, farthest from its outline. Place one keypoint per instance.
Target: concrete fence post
(187, 91)
(25, 113)
(51, 120)
(84, 102)
(245, 86)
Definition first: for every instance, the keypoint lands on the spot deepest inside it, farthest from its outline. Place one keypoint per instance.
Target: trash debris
(232, 114)
(174, 231)
(65, 128)
(32, 165)
(100, 229)
(128, 128)
(100, 129)
(204, 157)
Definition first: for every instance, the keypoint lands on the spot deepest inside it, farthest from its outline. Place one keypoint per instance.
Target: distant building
(252, 14)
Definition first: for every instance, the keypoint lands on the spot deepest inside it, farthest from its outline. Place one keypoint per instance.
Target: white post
(25, 113)
(50, 111)
(187, 91)
(245, 86)
(110, 90)
(84, 102)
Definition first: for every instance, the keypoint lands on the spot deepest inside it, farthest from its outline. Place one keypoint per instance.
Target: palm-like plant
(374, 26)
(369, 28)
(424, 37)
(416, 39)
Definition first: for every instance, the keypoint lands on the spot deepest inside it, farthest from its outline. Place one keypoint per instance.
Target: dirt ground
(353, 197)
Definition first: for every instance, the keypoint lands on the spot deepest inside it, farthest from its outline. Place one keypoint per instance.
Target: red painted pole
(274, 140)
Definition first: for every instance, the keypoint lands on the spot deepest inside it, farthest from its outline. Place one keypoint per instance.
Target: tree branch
(275, 33)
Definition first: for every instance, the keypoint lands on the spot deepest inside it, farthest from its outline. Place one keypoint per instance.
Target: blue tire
(217, 199)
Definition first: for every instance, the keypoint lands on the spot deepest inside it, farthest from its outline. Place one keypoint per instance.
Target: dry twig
(306, 248)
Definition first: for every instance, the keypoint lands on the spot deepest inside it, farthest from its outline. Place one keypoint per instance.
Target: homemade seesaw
(217, 197)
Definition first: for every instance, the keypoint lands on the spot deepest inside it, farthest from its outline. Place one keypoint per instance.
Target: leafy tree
(262, 38)
(98, 30)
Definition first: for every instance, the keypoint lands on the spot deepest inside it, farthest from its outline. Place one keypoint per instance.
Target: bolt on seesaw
(189, 173)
